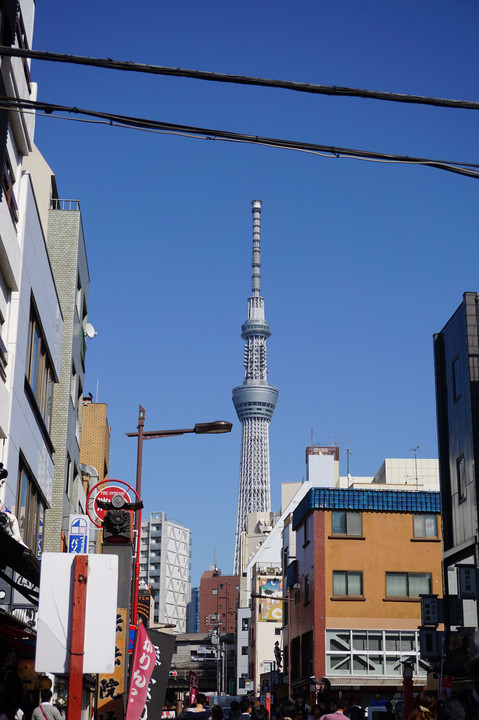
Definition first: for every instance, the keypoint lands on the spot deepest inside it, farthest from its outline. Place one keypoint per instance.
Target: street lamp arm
(211, 428)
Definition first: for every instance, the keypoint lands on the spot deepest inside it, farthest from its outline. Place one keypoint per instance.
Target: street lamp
(211, 428)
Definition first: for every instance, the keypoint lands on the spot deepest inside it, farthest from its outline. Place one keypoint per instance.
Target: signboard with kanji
(467, 581)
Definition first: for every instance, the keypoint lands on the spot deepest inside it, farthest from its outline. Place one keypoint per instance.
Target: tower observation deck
(255, 401)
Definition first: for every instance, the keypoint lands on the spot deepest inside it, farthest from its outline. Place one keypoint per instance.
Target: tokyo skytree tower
(255, 401)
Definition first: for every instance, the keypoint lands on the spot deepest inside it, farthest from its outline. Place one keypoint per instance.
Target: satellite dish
(90, 330)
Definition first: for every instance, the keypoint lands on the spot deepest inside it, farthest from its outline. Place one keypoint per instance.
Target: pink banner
(194, 687)
(144, 658)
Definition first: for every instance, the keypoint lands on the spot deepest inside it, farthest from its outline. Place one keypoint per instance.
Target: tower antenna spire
(256, 261)
(255, 402)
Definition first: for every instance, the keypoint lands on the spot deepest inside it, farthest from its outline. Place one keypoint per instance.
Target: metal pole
(139, 463)
(77, 636)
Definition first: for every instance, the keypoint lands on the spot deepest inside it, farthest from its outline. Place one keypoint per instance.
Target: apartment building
(165, 566)
(362, 559)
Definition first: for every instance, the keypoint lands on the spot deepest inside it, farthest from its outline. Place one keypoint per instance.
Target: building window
(40, 369)
(456, 380)
(8, 193)
(425, 526)
(461, 478)
(245, 624)
(215, 591)
(408, 584)
(373, 652)
(347, 583)
(68, 476)
(346, 523)
(244, 650)
(30, 510)
(306, 532)
(306, 590)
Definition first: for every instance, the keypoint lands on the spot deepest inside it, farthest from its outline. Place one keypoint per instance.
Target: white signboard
(54, 613)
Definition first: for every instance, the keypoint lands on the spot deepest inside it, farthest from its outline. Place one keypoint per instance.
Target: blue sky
(361, 262)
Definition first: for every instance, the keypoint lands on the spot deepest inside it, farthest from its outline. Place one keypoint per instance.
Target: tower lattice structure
(255, 401)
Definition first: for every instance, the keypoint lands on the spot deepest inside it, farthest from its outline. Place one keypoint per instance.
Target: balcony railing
(57, 204)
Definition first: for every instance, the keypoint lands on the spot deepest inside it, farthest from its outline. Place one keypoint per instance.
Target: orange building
(363, 558)
(95, 441)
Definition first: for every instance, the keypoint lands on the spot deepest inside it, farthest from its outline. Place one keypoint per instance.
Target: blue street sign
(78, 537)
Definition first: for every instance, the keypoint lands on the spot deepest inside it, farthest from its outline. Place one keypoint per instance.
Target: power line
(237, 79)
(461, 168)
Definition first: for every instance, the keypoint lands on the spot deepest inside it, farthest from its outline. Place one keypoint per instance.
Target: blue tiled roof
(351, 499)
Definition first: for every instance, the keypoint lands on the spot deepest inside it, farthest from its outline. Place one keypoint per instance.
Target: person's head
(201, 699)
(216, 713)
(234, 707)
(317, 711)
(340, 704)
(424, 705)
(287, 709)
(246, 706)
(389, 706)
(46, 695)
(300, 699)
(259, 713)
(300, 714)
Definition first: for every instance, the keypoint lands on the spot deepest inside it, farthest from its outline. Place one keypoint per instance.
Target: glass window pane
(419, 526)
(408, 642)
(339, 522)
(360, 665)
(419, 583)
(431, 525)
(360, 641)
(355, 583)
(393, 665)
(396, 584)
(354, 523)
(339, 664)
(375, 665)
(339, 640)
(375, 641)
(392, 641)
(339, 583)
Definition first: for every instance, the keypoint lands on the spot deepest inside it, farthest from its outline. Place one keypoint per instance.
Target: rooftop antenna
(348, 453)
(414, 450)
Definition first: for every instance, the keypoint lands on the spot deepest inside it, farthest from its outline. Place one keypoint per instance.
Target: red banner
(144, 658)
(194, 687)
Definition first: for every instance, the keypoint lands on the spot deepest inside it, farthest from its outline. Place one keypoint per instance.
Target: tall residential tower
(255, 401)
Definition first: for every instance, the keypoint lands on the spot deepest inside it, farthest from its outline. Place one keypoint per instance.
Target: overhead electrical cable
(461, 168)
(128, 66)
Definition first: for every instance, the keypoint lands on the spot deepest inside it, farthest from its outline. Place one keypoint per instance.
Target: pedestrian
(287, 710)
(216, 713)
(465, 705)
(199, 712)
(388, 715)
(235, 711)
(424, 707)
(338, 714)
(46, 711)
(246, 707)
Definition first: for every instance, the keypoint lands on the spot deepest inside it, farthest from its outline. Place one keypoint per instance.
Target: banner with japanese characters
(112, 686)
(194, 687)
(163, 644)
(144, 660)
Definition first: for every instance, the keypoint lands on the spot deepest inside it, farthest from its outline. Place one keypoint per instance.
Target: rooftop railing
(57, 204)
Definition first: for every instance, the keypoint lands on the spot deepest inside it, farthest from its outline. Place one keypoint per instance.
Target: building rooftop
(358, 499)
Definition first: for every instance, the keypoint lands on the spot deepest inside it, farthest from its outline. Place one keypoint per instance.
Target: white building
(30, 315)
(165, 565)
